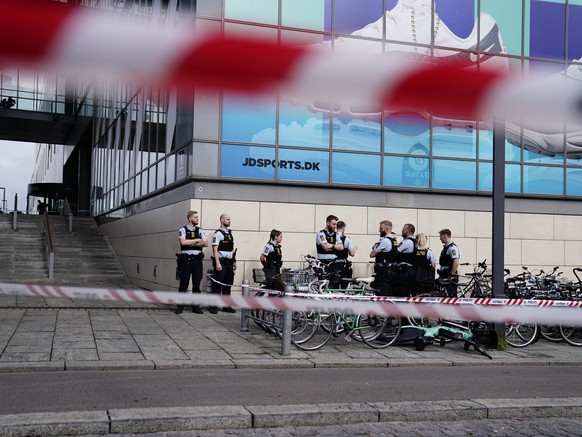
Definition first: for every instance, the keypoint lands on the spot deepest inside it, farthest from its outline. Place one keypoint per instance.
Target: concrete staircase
(83, 257)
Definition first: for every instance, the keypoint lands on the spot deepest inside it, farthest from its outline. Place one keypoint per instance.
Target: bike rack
(284, 326)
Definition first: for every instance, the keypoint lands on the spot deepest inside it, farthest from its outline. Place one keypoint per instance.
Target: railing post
(15, 214)
(286, 328)
(244, 314)
(286, 333)
(51, 265)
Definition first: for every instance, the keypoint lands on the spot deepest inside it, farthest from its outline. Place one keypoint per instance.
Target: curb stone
(54, 424)
(179, 419)
(144, 420)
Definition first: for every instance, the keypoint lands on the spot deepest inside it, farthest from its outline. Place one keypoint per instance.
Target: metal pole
(498, 249)
(286, 333)
(286, 328)
(244, 314)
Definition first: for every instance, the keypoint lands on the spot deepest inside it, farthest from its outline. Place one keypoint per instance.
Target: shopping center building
(272, 162)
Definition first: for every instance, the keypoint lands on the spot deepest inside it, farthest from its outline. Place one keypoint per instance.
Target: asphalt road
(98, 390)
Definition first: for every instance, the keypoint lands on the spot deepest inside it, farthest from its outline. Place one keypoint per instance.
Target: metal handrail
(68, 214)
(50, 249)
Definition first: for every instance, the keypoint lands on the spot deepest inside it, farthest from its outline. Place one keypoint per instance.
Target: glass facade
(146, 139)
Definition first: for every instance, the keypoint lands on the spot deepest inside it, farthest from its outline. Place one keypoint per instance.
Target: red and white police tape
(484, 309)
(94, 43)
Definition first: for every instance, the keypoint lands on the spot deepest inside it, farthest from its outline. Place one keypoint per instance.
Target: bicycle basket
(298, 279)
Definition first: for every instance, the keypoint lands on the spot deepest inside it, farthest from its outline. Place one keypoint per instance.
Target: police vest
(408, 258)
(191, 235)
(227, 243)
(388, 257)
(445, 259)
(342, 254)
(275, 257)
(331, 239)
(425, 272)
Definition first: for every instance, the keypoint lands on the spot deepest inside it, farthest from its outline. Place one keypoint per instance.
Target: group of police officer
(189, 259)
(401, 268)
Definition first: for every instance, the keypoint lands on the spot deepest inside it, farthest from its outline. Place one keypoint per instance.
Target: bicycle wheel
(312, 330)
(551, 333)
(572, 334)
(378, 332)
(521, 334)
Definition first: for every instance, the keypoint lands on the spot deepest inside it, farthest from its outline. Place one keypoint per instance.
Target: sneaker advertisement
(362, 144)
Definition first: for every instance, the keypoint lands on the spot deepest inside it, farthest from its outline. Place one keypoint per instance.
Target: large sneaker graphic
(550, 137)
(413, 23)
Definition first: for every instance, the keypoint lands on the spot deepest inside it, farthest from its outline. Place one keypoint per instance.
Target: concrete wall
(150, 239)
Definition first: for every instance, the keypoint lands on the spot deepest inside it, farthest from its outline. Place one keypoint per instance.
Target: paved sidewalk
(40, 334)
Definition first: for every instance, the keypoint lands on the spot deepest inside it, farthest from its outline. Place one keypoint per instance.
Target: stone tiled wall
(150, 239)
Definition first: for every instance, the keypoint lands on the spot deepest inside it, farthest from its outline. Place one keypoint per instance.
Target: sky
(16, 167)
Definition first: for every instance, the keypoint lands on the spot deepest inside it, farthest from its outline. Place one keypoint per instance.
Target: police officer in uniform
(425, 263)
(449, 262)
(192, 240)
(384, 254)
(223, 261)
(328, 245)
(272, 256)
(342, 255)
(405, 275)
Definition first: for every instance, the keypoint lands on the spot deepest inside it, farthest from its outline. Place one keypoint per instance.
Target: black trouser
(383, 280)
(225, 276)
(333, 271)
(404, 282)
(449, 283)
(346, 272)
(189, 266)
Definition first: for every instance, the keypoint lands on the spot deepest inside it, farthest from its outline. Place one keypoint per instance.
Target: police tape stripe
(86, 41)
(491, 310)
(439, 300)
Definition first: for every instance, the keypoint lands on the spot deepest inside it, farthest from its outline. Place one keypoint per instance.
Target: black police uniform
(328, 257)
(225, 242)
(425, 272)
(445, 263)
(383, 268)
(345, 265)
(273, 260)
(405, 274)
(189, 262)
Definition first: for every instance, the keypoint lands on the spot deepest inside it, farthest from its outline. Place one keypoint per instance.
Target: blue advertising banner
(408, 150)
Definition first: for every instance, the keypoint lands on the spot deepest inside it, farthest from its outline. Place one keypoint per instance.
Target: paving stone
(25, 356)
(120, 356)
(115, 346)
(74, 355)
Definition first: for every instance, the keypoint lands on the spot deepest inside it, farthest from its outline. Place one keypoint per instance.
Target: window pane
(574, 181)
(351, 168)
(299, 126)
(258, 11)
(249, 120)
(455, 175)
(353, 15)
(454, 142)
(248, 162)
(547, 29)
(543, 180)
(362, 135)
(305, 14)
(508, 17)
(408, 171)
(303, 165)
